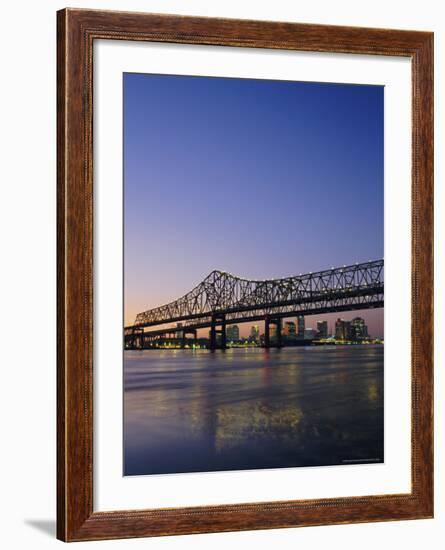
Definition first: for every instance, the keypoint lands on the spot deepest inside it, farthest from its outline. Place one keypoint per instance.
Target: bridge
(222, 299)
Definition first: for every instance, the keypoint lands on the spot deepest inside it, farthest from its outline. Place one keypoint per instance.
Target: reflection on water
(197, 411)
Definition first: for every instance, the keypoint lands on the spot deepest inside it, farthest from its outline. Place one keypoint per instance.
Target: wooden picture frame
(77, 31)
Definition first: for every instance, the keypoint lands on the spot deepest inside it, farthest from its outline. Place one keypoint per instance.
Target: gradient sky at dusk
(259, 178)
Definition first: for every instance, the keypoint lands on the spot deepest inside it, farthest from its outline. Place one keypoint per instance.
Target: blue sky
(260, 178)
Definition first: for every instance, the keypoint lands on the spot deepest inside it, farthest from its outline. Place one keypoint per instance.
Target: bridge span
(223, 299)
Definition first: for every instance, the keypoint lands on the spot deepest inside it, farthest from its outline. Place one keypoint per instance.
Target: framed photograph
(245, 263)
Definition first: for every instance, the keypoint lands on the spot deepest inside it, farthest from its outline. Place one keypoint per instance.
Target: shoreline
(228, 348)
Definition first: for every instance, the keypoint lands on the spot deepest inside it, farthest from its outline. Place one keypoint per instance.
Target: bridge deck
(223, 299)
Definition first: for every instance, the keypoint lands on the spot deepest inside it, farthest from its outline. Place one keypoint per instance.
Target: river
(198, 411)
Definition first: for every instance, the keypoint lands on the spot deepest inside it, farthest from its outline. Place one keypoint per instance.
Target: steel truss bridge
(223, 299)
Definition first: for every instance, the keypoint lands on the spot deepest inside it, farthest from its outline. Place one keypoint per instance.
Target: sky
(260, 178)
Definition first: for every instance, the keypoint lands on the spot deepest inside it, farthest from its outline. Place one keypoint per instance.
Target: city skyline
(290, 328)
(245, 330)
(293, 333)
(291, 182)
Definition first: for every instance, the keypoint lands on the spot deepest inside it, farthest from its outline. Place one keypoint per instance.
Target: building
(254, 334)
(290, 330)
(322, 329)
(310, 333)
(232, 333)
(359, 331)
(342, 329)
(300, 324)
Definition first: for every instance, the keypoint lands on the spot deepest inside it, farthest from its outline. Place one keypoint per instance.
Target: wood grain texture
(76, 31)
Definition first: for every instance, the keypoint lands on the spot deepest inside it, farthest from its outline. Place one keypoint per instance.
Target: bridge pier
(218, 319)
(278, 324)
(192, 331)
(141, 340)
(134, 338)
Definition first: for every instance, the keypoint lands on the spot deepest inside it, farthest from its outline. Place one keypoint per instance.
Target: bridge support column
(213, 336)
(279, 323)
(267, 332)
(193, 332)
(218, 320)
(134, 339)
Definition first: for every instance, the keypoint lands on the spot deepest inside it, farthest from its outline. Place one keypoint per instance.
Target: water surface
(197, 411)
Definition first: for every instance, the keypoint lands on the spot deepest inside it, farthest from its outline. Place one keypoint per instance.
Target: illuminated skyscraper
(322, 329)
(342, 329)
(232, 332)
(255, 333)
(290, 329)
(359, 331)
